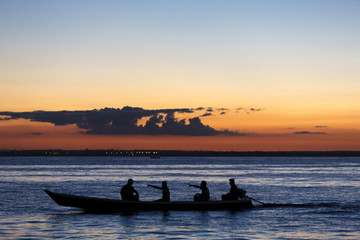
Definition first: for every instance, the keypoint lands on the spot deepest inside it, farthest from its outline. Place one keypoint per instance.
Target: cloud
(209, 111)
(307, 132)
(206, 114)
(111, 121)
(249, 110)
(321, 126)
(36, 133)
(5, 118)
(255, 109)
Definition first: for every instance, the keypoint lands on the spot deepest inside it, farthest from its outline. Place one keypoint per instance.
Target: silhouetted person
(204, 195)
(128, 192)
(165, 192)
(235, 193)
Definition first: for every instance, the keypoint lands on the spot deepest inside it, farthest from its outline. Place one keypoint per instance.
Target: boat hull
(91, 204)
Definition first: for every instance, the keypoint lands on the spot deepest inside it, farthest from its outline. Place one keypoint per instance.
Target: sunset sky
(180, 75)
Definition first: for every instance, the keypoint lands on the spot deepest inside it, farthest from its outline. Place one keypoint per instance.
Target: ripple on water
(316, 198)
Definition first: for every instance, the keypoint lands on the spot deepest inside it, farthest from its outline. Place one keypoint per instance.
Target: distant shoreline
(179, 153)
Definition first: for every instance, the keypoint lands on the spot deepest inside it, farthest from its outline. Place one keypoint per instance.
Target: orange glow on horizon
(23, 134)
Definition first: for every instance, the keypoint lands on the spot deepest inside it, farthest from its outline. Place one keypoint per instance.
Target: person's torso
(127, 190)
(166, 193)
(205, 192)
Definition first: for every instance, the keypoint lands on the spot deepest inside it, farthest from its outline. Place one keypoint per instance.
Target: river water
(314, 198)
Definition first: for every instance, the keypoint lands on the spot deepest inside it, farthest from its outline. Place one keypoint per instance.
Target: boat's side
(112, 205)
(88, 203)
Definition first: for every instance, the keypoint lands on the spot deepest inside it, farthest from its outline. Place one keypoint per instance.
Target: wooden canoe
(91, 204)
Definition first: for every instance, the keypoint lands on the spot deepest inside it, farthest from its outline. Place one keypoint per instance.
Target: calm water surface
(315, 198)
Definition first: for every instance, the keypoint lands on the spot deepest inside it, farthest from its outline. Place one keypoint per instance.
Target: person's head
(164, 184)
(203, 183)
(130, 181)
(231, 181)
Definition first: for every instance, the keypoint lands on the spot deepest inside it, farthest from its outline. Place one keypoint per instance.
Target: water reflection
(259, 175)
(330, 189)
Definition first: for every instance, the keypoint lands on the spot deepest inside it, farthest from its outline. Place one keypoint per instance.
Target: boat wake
(310, 205)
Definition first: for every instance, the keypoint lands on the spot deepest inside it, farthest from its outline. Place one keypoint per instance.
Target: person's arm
(191, 185)
(136, 192)
(149, 185)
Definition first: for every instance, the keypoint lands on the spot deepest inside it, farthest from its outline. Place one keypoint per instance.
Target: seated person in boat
(128, 192)
(235, 192)
(204, 195)
(165, 192)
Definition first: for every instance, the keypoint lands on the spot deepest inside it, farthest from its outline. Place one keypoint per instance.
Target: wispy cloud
(248, 110)
(37, 133)
(206, 114)
(308, 132)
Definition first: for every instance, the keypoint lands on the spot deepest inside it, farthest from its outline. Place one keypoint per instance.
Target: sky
(180, 75)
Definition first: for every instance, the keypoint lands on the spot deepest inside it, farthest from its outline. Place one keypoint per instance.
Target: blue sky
(296, 60)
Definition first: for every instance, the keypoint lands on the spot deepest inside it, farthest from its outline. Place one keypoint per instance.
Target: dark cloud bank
(113, 121)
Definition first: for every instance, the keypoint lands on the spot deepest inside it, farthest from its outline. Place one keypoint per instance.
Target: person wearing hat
(204, 195)
(128, 192)
(235, 193)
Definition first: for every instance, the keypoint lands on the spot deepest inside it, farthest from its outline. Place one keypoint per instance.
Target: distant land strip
(179, 153)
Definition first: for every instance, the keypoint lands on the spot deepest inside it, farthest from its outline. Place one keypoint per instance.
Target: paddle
(256, 200)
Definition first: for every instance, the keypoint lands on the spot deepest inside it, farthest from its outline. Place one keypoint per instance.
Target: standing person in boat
(165, 192)
(205, 193)
(235, 192)
(128, 192)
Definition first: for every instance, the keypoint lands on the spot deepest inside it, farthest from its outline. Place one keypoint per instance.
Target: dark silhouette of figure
(205, 193)
(235, 192)
(128, 192)
(165, 192)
